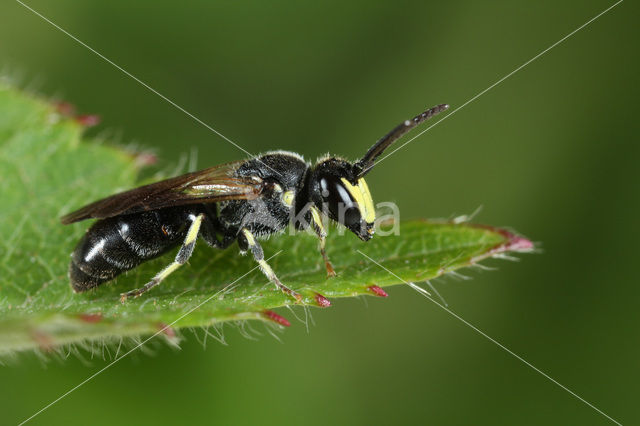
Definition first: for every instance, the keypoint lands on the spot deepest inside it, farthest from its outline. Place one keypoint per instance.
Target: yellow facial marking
(366, 194)
(361, 194)
(287, 198)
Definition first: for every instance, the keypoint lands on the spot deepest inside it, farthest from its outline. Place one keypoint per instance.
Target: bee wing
(218, 183)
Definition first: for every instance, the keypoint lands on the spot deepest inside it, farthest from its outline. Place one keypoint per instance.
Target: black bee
(241, 201)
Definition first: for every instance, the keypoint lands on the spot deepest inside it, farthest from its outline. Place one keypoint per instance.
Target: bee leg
(181, 258)
(246, 239)
(318, 228)
(327, 263)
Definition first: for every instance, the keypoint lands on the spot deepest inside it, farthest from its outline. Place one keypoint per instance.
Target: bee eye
(341, 205)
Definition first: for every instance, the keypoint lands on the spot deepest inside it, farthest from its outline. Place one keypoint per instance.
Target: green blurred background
(552, 152)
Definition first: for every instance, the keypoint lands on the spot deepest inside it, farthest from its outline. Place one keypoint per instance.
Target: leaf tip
(278, 319)
(514, 242)
(322, 301)
(517, 243)
(378, 291)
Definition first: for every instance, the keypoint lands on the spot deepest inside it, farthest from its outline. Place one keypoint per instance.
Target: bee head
(338, 187)
(344, 197)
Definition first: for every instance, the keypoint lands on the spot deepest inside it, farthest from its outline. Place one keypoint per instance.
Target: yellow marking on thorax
(287, 198)
(362, 195)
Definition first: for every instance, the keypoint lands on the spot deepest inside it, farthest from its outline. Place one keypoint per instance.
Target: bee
(241, 201)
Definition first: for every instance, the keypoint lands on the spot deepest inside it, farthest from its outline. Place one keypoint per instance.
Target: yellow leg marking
(267, 270)
(154, 282)
(166, 271)
(258, 255)
(315, 215)
(193, 230)
(249, 236)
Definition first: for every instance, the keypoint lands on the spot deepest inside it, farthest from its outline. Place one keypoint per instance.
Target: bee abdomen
(115, 245)
(82, 281)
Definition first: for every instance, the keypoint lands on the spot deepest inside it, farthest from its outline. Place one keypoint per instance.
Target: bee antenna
(363, 166)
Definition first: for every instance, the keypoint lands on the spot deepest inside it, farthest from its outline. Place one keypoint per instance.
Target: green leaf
(47, 171)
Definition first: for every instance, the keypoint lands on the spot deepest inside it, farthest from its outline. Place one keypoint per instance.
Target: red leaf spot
(166, 330)
(91, 318)
(378, 291)
(272, 316)
(65, 108)
(87, 120)
(43, 340)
